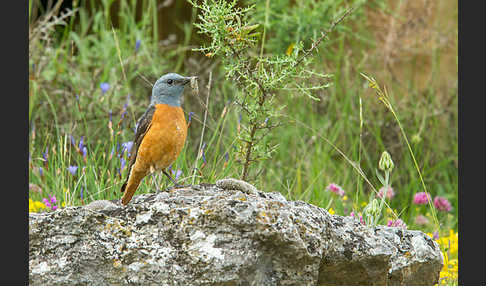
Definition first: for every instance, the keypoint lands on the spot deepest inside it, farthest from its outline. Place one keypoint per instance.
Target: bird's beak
(188, 79)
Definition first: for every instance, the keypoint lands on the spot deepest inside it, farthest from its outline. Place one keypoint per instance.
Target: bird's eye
(169, 81)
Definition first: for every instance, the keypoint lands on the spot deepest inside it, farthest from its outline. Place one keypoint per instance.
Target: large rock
(223, 234)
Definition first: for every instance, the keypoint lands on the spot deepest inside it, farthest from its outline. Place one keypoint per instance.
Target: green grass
(65, 99)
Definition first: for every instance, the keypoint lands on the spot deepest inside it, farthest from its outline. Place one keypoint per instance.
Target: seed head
(386, 162)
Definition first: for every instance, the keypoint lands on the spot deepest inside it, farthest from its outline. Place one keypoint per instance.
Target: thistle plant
(372, 213)
(240, 44)
(374, 209)
(386, 166)
(383, 96)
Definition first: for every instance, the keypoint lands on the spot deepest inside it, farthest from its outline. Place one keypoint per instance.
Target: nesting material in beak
(194, 87)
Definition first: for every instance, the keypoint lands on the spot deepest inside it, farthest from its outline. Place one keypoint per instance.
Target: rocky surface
(227, 233)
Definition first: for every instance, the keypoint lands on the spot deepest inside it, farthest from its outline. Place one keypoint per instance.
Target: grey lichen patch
(41, 268)
(203, 247)
(101, 205)
(161, 207)
(143, 217)
(228, 233)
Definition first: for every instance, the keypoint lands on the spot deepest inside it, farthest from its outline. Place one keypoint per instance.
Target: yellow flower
(31, 205)
(290, 48)
(345, 198)
(35, 206)
(39, 205)
(450, 243)
(450, 268)
(331, 211)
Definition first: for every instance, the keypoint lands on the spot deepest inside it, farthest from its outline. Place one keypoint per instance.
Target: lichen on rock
(228, 233)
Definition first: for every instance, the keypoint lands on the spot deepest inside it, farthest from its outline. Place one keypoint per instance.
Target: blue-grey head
(168, 89)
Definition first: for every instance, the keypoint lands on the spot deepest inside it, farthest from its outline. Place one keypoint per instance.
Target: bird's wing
(143, 125)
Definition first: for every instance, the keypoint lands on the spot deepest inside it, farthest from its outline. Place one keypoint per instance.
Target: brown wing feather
(143, 125)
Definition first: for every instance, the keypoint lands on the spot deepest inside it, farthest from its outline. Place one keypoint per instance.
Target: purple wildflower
(127, 146)
(46, 202)
(72, 169)
(45, 154)
(104, 87)
(435, 235)
(81, 192)
(41, 172)
(389, 192)
(189, 119)
(81, 143)
(50, 203)
(361, 220)
(85, 151)
(137, 45)
(266, 120)
(421, 220)
(77, 97)
(176, 174)
(124, 112)
(53, 199)
(335, 189)
(442, 204)
(397, 223)
(73, 141)
(421, 198)
(123, 163)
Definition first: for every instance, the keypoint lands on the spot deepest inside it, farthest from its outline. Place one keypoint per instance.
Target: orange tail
(131, 186)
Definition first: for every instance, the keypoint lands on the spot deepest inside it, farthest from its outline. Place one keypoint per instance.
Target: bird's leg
(170, 178)
(154, 177)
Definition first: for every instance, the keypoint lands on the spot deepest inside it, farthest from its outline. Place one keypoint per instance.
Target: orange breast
(165, 138)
